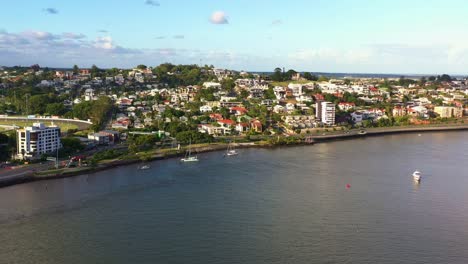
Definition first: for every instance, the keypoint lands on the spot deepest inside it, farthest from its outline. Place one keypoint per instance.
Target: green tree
(5, 151)
(269, 94)
(37, 103)
(55, 109)
(82, 110)
(323, 78)
(95, 71)
(112, 72)
(243, 94)
(100, 110)
(277, 75)
(194, 137)
(289, 74)
(71, 144)
(228, 85)
(310, 76)
(142, 142)
(445, 78)
(76, 70)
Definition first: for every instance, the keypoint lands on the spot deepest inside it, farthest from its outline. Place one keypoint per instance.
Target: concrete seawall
(390, 130)
(23, 177)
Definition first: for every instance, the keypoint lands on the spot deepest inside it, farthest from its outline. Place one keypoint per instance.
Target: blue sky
(258, 35)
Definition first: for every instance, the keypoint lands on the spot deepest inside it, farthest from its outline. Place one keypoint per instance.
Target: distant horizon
(256, 71)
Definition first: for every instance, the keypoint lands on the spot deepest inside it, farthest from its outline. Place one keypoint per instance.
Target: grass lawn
(64, 126)
(288, 82)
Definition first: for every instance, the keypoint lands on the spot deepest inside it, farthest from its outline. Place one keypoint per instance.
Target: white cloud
(104, 43)
(66, 49)
(39, 35)
(219, 17)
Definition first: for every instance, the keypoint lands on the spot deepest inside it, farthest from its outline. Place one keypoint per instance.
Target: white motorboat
(417, 176)
(189, 159)
(145, 167)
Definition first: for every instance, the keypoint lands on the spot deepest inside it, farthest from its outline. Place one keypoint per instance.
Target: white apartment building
(36, 140)
(296, 89)
(328, 113)
(448, 111)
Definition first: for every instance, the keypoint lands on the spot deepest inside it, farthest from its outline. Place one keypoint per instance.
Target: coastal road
(24, 169)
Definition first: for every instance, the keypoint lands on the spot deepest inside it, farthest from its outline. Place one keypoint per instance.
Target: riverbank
(161, 154)
(387, 131)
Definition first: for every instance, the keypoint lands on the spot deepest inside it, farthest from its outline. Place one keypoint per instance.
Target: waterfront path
(386, 130)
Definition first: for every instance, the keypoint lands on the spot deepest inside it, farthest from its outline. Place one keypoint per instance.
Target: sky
(354, 36)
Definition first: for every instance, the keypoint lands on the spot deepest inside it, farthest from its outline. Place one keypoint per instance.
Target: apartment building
(36, 140)
(328, 111)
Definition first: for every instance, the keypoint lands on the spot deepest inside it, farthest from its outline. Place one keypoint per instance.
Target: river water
(341, 202)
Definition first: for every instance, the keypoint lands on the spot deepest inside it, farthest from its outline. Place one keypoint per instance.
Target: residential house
(296, 89)
(242, 127)
(278, 109)
(238, 111)
(256, 125)
(226, 123)
(345, 106)
(399, 111)
(212, 85)
(214, 130)
(206, 109)
(216, 117)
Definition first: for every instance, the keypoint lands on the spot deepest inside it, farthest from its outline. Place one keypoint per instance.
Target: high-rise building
(36, 140)
(327, 110)
(318, 110)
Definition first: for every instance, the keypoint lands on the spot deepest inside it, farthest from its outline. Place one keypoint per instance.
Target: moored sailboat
(188, 155)
(231, 151)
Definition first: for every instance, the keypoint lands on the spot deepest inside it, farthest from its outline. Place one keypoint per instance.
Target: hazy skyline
(420, 37)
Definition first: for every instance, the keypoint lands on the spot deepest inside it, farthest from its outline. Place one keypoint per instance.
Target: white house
(296, 89)
(212, 85)
(206, 109)
(278, 109)
(357, 117)
(344, 106)
(214, 130)
(290, 107)
(242, 127)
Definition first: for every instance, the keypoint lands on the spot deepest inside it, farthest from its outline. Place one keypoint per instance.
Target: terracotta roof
(227, 121)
